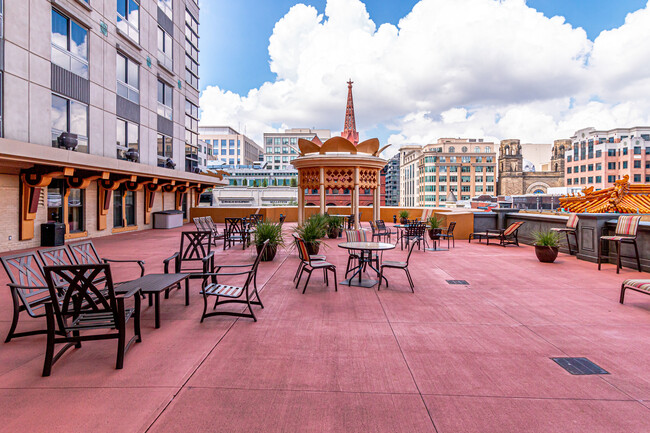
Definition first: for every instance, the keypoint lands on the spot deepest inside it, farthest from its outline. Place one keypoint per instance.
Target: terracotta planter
(434, 234)
(546, 254)
(269, 253)
(333, 233)
(312, 249)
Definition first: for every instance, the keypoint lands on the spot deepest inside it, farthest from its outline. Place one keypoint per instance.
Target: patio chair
(100, 310)
(208, 225)
(235, 232)
(232, 293)
(312, 257)
(641, 286)
(309, 266)
(570, 229)
(381, 226)
(194, 257)
(397, 265)
(415, 232)
(29, 291)
(625, 233)
(354, 255)
(448, 234)
(505, 236)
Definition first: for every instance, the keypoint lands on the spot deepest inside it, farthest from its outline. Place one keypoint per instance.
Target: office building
(599, 158)
(444, 172)
(282, 147)
(102, 128)
(229, 146)
(391, 175)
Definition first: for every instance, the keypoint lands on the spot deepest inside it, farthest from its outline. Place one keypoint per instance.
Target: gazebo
(339, 164)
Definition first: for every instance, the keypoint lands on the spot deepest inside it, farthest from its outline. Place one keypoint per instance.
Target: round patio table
(365, 259)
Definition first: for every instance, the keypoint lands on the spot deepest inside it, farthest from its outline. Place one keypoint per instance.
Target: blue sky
(235, 33)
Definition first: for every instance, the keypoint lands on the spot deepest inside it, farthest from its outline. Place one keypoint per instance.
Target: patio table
(154, 285)
(400, 228)
(365, 258)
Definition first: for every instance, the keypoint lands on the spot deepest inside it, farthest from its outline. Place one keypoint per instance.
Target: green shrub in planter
(271, 231)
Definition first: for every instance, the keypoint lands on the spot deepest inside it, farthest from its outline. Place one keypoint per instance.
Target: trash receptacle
(52, 234)
(167, 219)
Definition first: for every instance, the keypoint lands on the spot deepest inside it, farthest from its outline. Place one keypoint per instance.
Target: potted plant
(403, 217)
(312, 231)
(334, 224)
(434, 227)
(546, 245)
(271, 231)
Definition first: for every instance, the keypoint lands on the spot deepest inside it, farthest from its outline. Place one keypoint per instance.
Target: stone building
(518, 176)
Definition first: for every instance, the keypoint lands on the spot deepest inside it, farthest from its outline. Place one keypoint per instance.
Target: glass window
(165, 149)
(165, 92)
(128, 79)
(128, 18)
(55, 193)
(166, 7)
(69, 44)
(75, 210)
(191, 158)
(191, 50)
(128, 136)
(165, 44)
(70, 116)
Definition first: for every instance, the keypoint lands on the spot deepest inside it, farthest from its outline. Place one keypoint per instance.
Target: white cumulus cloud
(489, 69)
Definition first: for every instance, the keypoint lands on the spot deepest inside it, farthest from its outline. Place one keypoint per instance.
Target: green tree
(244, 182)
(265, 183)
(294, 182)
(273, 182)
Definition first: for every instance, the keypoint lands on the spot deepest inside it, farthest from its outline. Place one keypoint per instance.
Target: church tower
(510, 157)
(560, 147)
(350, 127)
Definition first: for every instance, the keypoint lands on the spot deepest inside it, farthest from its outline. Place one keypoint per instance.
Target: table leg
(187, 291)
(156, 310)
(150, 299)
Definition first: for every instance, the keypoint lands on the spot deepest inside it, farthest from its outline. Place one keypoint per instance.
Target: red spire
(350, 128)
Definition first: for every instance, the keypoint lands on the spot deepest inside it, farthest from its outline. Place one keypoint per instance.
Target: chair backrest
(415, 229)
(198, 224)
(210, 225)
(627, 225)
(25, 270)
(512, 228)
(57, 256)
(450, 229)
(408, 256)
(81, 294)
(572, 222)
(357, 235)
(195, 246)
(373, 226)
(302, 250)
(258, 259)
(381, 225)
(256, 218)
(234, 226)
(84, 253)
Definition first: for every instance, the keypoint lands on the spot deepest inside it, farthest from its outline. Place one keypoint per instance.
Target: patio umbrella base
(436, 249)
(363, 283)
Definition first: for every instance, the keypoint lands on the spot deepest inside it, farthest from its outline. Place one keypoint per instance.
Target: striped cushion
(304, 255)
(513, 228)
(616, 238)
(638, 284)
(223, 290)
(627, 225)
(572, 222)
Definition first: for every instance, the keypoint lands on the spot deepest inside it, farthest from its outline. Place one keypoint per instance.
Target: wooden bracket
(150, 190)
(30, 192)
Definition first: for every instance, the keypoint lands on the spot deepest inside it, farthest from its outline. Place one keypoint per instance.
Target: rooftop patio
(449, 358)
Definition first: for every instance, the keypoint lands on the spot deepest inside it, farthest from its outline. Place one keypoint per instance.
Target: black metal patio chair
(397, 265)
(82, 309)
(194, 257)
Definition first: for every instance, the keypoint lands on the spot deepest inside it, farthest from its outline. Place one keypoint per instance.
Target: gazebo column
(355, 199)
(322, 190)
(301, 203)
(376, 203)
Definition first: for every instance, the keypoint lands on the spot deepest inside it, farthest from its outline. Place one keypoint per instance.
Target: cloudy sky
(536, 70)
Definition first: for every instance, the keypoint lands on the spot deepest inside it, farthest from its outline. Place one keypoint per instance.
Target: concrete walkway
(449, 358)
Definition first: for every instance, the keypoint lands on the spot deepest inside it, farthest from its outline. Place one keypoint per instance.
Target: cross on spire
(350, 127)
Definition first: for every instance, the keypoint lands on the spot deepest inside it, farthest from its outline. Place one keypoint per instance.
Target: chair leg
(600, 250)
(205, 307)
(381, 275)
(49, 349)
(306, 282)
(622, 293)
(136, 319)
(216, 302)
(568, 242)
(14, 320)
(121, 335)
(327, 283)
(408, 275)
(638, 260)
(300, 277)
(297, 271)
(618, 256)
(336, 286)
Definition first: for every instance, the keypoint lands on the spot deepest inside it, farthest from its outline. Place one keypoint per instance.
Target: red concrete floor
(448, 358)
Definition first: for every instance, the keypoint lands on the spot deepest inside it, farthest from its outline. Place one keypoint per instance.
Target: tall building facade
(599, 158)
(280, 148)
(103, 125)
(229, 146)
(391, 177)
(449, 170)
(517, 176)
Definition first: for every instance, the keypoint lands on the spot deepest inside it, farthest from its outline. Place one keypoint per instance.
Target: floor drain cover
(580, 366)
(463, 282)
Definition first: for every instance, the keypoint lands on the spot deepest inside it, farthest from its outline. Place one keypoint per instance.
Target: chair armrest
(19, 286)
(231, 266)
(169, 259)
(139, 262)
(128, 294)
